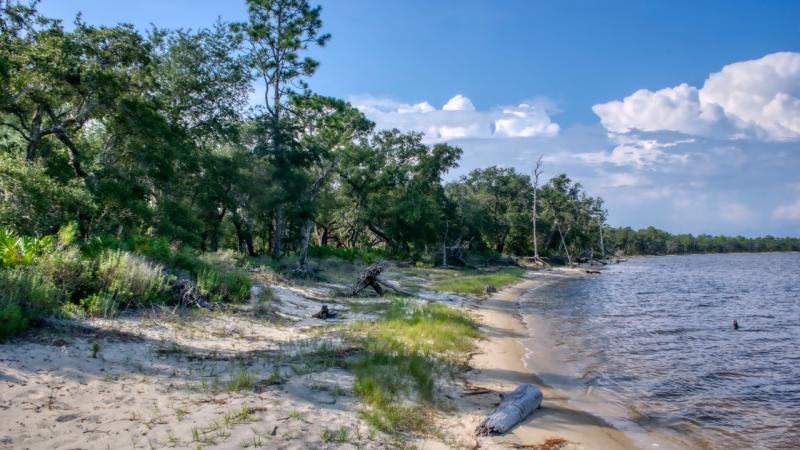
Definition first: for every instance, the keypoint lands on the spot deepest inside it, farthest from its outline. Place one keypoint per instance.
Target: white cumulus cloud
(458, 119)
(459, 103)
(789, 211)
(636, 152)
(758, 98)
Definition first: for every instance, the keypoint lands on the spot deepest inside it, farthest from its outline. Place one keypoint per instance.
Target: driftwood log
(514, 408)
(369, 278)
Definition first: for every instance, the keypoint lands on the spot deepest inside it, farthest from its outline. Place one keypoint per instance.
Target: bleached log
(514, 408)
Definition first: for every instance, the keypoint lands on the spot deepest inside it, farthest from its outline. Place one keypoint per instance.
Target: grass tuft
(404, 351)
(476, 283)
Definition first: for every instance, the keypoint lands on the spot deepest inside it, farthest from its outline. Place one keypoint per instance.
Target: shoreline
(499, 365)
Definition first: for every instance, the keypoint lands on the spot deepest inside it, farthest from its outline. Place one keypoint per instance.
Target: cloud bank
(757, 99)
(458, 119)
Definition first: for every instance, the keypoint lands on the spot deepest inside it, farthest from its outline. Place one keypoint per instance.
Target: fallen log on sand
(369, 278)
(514, 408)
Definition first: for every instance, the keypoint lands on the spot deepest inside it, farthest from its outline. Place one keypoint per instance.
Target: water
(649, 345)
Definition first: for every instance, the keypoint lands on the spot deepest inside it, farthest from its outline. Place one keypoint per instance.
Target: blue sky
(684, 115)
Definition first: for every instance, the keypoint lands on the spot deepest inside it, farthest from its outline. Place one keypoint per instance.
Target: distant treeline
(652, 241)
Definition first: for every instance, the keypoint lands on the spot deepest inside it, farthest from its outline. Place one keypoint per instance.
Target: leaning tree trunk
(566, 250)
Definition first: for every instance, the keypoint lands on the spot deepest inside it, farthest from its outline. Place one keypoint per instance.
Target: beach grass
(475, 283)
(404, 351)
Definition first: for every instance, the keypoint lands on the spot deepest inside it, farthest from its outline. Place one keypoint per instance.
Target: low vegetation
(475, 283)
(404, 351)
(57, 276)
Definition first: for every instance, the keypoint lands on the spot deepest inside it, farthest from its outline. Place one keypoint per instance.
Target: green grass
(242, 379)
(224, 285)
(474, 283)
(405, 350)
(24, 296)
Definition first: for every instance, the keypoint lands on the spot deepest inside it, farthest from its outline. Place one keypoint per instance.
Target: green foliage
(219, 284)
(70, 273)
(32, 201)
(12, 320)
(24, 295)
(101, 304)
(366, 255)
(130, 279)
(476, 283)
(494, 205)
(20, 250)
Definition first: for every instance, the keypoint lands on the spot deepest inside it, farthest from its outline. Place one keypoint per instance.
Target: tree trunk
(237, 224)
(248, 238)
(215, 231)
(305, 236)
(35, 137)
(325, 236)
(537, 171)
(564, 243)
(74, 153)
(276, 240)
(602, 245)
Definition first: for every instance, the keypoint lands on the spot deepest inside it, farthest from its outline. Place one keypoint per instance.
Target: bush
(24, 295)
(12, 320)
(21, 251)
(102, 304)
(131, 278)
(69, 272)
(222, 285)
(97, 245)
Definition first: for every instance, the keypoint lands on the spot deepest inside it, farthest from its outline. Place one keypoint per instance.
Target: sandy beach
(170, 381)
(498, 365)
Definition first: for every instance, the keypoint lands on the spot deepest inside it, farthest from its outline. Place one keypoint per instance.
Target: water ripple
(656, 334)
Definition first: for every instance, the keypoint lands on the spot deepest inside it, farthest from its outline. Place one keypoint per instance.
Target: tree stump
(325, 313)
(489, 289)
(514, 408)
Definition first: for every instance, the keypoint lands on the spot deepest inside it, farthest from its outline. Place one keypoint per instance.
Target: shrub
(70, 274)
(156, 248)
(222, 285)
(103, 304)
(21, 251)
(97, 245)
(131, 278)
(24, 295)
(12, 320)
(68, 234)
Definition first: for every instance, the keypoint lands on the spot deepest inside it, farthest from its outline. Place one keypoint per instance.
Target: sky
(683, 115)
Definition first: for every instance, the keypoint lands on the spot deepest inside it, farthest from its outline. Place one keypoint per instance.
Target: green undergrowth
(60, 275)
(366, 255)
(405, 350)
(475, 283)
